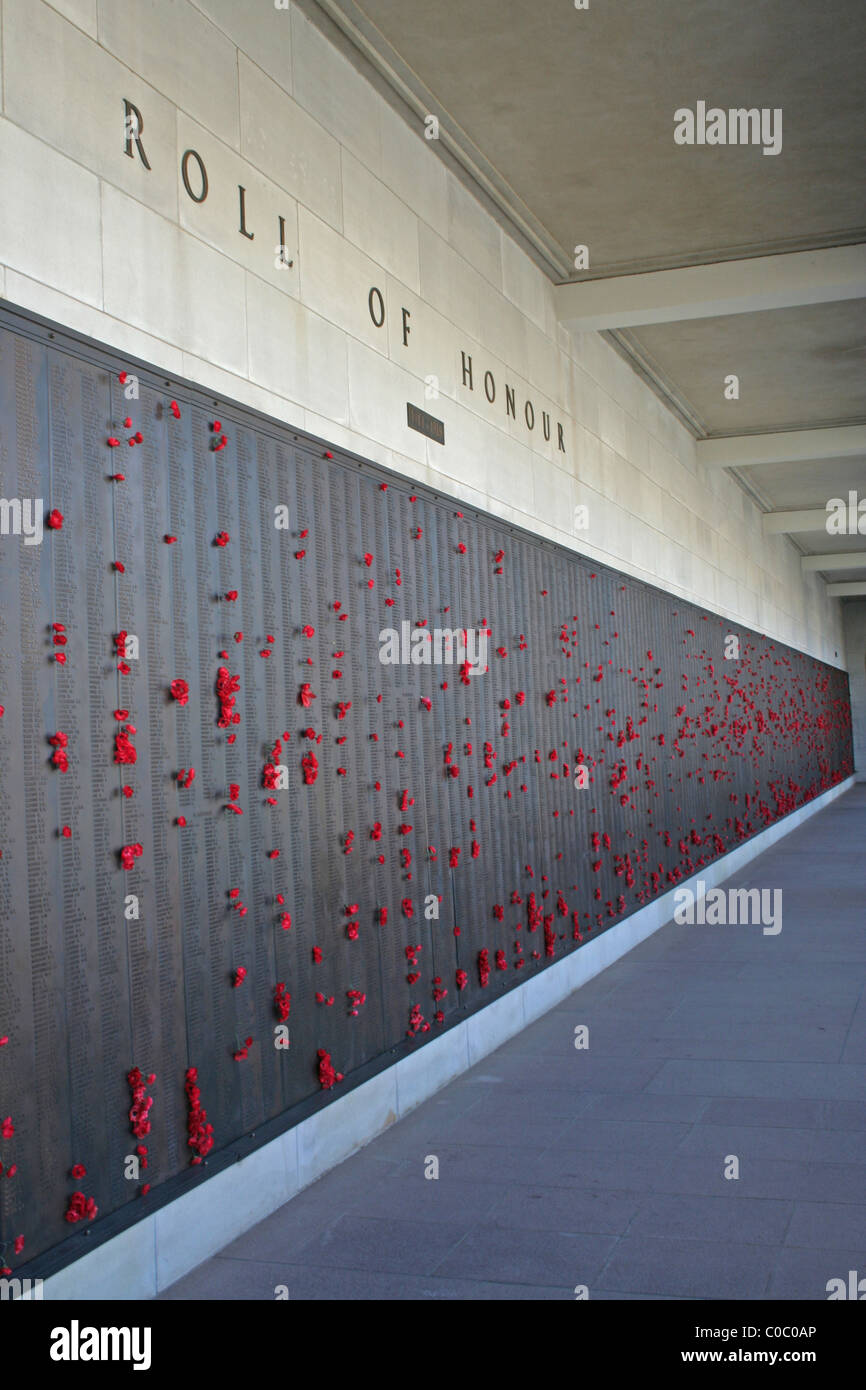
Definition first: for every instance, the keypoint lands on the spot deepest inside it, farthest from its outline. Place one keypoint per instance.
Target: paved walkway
(604, 1167)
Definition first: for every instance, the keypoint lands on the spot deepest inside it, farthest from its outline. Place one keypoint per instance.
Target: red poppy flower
(54, 520)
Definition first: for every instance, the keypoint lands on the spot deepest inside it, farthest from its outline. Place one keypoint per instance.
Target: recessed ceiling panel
(796, 367)
(575, 109)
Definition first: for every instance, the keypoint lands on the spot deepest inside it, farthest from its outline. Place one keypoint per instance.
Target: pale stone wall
(90, 238)
(854, 615)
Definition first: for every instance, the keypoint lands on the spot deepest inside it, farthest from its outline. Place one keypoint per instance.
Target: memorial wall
(302, 762)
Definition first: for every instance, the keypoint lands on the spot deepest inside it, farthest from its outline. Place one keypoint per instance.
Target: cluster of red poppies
(356, 998)
(142, 1103)
(227, 687)
(328, 1077)
(81, 1208)
(59, 757)
(417, 1022)
(200, 1133)
(124, 748)
(483, 967)
(129, 854)
(282, 1001)
(59, 639)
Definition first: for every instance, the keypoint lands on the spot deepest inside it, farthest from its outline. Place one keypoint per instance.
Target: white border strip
(154, 1253)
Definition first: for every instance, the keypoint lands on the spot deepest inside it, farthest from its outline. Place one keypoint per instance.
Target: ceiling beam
(792, 523)
(783, 446)
(842, 560)
(855, 590)
(707, 291)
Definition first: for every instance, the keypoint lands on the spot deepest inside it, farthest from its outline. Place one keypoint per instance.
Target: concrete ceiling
(575, 108)
(798, 368)
(804, 484)
(704, 260)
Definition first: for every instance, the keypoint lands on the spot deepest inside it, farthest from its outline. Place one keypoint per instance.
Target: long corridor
(608, 1171)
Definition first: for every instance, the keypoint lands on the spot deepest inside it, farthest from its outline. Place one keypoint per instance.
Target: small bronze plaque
(425, 424)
